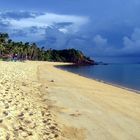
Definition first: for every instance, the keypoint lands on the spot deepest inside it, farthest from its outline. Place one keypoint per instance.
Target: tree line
(30, 51)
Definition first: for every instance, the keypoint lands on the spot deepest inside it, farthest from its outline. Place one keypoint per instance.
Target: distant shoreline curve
(98, 80)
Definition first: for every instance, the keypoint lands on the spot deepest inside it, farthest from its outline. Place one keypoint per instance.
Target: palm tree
(4, 37)
(2, 48)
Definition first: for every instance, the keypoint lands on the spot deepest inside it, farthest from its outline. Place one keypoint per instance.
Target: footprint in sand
(5, 113)
(9, 101)
(6, 106)
(21, 115)
(76, 114)
(1, 120)
(52, 81)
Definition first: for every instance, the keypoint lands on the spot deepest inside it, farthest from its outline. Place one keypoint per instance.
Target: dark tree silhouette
(26, 51)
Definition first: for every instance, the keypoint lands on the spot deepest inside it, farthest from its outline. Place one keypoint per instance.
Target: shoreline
(89, 109)
(98, 80)
(40, 101)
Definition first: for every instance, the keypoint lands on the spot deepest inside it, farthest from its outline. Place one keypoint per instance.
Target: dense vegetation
(26, 51)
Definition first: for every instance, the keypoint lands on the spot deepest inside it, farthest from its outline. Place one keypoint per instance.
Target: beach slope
(88, 109)
(41, 102)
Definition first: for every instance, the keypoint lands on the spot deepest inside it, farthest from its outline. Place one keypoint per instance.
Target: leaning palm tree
(2, 48)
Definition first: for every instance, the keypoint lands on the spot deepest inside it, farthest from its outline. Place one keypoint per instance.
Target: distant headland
(11, 50)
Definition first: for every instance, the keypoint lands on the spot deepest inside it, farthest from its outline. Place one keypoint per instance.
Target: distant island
(11, 50)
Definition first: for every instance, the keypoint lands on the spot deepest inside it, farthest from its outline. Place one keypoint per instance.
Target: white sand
(41, 102)
(24, 115)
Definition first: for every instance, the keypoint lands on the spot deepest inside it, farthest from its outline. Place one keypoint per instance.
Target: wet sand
(41, 102)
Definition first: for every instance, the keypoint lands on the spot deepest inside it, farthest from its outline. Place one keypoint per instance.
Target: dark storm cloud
(99, 28)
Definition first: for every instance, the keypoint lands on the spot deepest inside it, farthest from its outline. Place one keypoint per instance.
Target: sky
(99, 28)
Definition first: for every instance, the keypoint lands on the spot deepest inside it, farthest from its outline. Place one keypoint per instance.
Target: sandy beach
(24, 115)
(41, 102)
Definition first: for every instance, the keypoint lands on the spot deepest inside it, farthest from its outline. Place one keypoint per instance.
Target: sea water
(125, 75)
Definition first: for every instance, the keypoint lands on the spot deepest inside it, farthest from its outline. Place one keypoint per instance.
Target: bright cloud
(32, 26)
(45, 20)
(132, 44)
(100, 41)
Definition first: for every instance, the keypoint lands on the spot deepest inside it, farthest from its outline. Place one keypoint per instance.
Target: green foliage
(26, 51)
